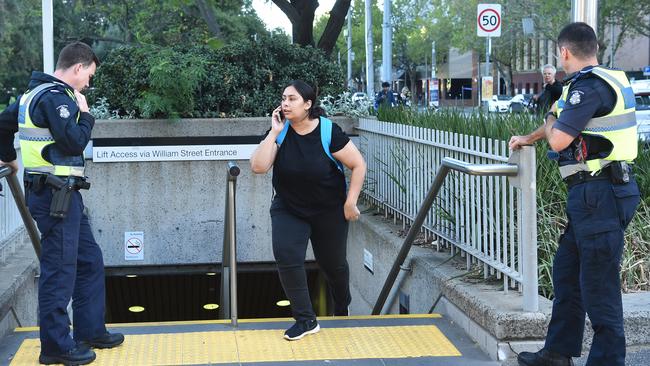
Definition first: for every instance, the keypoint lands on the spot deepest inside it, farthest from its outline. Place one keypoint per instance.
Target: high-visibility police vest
(34, 139)
(618, 127)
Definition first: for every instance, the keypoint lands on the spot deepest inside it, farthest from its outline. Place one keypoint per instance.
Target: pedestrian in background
(551, 92)
(385, 97)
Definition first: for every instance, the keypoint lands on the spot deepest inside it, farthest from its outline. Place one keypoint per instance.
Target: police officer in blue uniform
(54, 126)
(593, 128)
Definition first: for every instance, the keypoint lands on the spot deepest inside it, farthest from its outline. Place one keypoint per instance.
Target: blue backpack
(325, 138)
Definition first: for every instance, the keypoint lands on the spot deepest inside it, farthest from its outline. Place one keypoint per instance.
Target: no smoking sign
(134, 245)
(488, 20)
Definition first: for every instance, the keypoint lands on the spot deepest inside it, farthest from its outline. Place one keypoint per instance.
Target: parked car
(641, 90)
(359, 96)
(521, 103)
(499, 103)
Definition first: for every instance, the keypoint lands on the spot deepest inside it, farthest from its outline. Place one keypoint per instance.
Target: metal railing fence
(490, 219)
(15, 214)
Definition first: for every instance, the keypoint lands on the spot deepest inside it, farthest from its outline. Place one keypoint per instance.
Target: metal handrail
(19, 198)
(229, 253)
(447, 165)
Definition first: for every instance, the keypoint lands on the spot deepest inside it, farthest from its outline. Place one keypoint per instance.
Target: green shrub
(551, 194)
(243, 79)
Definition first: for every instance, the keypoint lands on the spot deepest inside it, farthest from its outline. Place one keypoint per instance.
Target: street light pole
(350, 84)
(387, 44)
(585, 11)
(48, 36)
(370, 69)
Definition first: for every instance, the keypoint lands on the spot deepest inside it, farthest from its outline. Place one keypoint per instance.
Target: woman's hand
(277, 124)
(351, 211)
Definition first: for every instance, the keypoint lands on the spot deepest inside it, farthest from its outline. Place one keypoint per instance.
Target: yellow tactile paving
(266, 345)
(257, 320)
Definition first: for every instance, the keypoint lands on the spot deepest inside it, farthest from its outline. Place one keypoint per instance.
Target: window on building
(460, 89)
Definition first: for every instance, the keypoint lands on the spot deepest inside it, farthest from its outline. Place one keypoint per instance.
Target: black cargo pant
(328, 233)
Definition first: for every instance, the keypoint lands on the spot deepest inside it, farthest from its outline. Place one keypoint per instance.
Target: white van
(641, 90)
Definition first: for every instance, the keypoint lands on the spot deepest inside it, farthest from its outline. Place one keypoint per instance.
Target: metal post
(433, 60)
(526, 181)
(233, 252)
(528, 235)
(611, 45)
(229, 255)
(350, 83)
(370, 69)
(19, 198)
(48, 36)
(480, 82)
(387, 44)
(585, 11)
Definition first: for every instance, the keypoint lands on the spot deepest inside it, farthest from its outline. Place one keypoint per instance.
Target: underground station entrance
(170, 315)
(185, 293)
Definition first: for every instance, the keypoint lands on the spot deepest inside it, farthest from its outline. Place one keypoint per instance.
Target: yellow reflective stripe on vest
(571, 169)
(612, 123)
(77, 171)
(35, 134)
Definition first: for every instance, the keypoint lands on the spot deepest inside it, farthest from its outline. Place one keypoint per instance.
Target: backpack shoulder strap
(326, 139)
(283, 134)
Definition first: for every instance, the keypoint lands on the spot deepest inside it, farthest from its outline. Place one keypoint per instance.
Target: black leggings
(328, 232)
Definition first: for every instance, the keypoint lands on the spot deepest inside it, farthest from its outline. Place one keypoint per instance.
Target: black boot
(107, 340)
(79, 355)
(543, 358)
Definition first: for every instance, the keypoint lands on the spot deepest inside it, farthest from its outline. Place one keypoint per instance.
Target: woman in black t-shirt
(310, 199)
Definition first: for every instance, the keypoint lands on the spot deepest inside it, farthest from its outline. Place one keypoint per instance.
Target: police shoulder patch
(575, 97)
(64, 112)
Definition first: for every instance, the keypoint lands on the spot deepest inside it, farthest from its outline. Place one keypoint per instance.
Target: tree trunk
(301, 16)
(334, 26)
(207, 13)
(506, 71)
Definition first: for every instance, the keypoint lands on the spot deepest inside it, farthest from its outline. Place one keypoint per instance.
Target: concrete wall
(18, 285)
(179, 205)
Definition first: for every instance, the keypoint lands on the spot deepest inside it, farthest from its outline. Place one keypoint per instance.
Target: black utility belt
(36, 182)
(62, 188)
(617, 172)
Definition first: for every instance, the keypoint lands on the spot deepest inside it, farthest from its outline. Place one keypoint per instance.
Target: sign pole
(488, 25)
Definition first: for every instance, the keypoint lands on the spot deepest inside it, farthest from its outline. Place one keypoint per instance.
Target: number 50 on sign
(488, 20)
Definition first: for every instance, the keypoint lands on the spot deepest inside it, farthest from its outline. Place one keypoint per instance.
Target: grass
(551, 196)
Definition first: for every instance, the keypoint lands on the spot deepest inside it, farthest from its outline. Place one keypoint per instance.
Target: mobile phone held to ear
(281, 116)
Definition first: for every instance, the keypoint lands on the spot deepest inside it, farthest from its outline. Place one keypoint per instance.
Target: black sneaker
(301, 329)
(107, 340)
(79, 355)
(543, 358)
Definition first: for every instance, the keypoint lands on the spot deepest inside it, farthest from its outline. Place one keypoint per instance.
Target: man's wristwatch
(549, 114)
